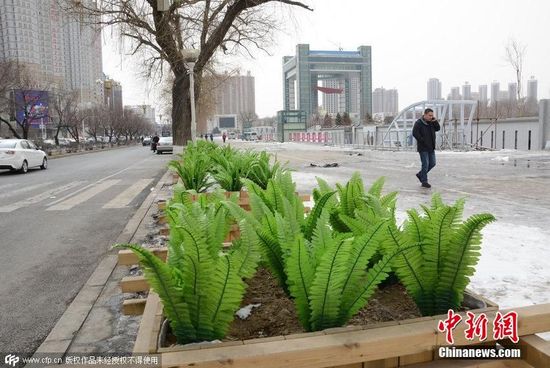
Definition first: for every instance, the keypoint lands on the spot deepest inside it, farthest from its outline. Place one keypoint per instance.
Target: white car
(21, 154)
(165, 145)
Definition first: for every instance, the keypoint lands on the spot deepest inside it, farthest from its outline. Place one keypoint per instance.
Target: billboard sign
(33, 105)
(227, 122)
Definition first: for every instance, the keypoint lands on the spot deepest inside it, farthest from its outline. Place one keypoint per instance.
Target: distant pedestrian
(201, 136)
(211, 137)
(206, 136)
(424, 132)
(154, 143)
(224, 137)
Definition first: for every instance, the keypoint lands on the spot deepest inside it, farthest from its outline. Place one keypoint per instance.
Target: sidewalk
(93, 323)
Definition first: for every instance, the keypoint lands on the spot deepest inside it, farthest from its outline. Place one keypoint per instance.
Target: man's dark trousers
(428, 163)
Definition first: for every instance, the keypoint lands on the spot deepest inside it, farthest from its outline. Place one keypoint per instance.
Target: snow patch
(245, 312)
(501, 158)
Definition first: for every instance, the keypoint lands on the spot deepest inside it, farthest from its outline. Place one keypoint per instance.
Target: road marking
(126, 197)
(23, 190)
(39, 198)
(84, 196)
(97, 182)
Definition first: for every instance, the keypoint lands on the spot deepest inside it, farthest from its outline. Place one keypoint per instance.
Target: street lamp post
(190, 56)
(191, 68)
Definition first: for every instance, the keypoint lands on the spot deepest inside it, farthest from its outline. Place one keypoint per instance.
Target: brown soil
(277, 315)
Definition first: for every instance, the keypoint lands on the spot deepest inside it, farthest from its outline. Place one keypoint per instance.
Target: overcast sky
(411, 40)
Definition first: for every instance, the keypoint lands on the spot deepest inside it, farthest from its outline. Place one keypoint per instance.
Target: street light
(190, 56)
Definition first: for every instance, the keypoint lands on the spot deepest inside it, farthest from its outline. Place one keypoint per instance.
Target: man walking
(424, 132)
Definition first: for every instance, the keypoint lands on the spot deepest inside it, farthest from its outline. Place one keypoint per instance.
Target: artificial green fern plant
(200, 286)
(330, 275)
(437, 272)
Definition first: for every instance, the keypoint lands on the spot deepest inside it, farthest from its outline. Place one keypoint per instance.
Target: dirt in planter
(277, 315)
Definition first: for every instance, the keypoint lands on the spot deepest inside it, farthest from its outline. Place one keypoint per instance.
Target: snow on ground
(245, 312)
(513, 269)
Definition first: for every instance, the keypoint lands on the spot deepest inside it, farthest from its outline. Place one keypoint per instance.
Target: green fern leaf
(363, 248)
(311, 221)
(459, 262)
(162, 281)
(227, 289)
(322, 238)
(326, 289)
(376, 188)
(247, 249)
(300, 272)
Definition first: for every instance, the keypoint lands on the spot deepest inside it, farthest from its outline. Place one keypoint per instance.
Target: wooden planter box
(389, 344)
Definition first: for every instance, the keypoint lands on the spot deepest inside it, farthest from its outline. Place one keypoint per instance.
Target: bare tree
(7, 83)
(164, 35)
(64, 106)
(515, 53)
(327, 121)
(247, 118)
(22, 98)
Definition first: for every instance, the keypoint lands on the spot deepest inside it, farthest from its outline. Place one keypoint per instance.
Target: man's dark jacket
(425, 135)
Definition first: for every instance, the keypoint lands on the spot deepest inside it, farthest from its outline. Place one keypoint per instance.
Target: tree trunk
(181, 109)
(181, 106)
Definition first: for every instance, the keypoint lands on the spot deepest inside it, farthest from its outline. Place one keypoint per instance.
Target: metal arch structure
(455, 125)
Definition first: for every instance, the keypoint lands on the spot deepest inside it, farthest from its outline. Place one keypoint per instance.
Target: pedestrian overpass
(455, 118)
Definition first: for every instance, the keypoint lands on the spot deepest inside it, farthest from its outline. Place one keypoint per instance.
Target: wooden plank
(161, 205)
(147, 325)
(127, 258)
(134, 284)
(305, 197)
(383, 363)
(374, 345)
(162, 219)
(355, 365)
(534, 350)
(477, 363)
(164, 231)
(317, 351)
(133, 307)
(406, 360)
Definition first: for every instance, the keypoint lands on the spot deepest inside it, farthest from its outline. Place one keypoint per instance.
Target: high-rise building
(236, 96)
(112, 92)
(455, 94)
(304, 73)
(466, 91)
(532, 89)
(385, 101)
(378, 100)
(512, 91)
(145, 111)
(333, 103)
(482, 91)
(60, 51)
(495, 92)
(434, 89)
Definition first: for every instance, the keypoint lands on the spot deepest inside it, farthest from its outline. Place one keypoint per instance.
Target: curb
(65, 330)
(79, 153)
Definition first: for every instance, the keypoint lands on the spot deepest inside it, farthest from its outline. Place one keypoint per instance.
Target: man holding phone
(424, 133)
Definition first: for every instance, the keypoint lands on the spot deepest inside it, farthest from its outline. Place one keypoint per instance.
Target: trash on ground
(245, 312)
(334, 164)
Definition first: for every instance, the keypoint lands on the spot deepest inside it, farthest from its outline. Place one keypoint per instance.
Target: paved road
(55, 225)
